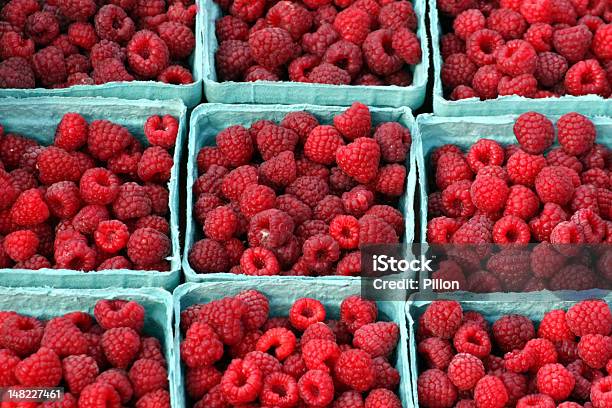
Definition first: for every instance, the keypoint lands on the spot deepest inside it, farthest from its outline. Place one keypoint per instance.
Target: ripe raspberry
(176, 75)
(147, 54)
(590, 317)
(373, 230)
(110, 70)
(20, 245)
(21, 334)
(208, 256)
(132, 202)
(536, 400)
(233, 58)
(489, 193)
(155, 165)
(281, 339)
(16, 73)
(16, 45)
(322, 143)
(272, 47)
(291, 17)
(485, 152)
(601, 42)
(273, 140)
(451, 44)
(572, 42)
(161, 131)
(462, 92)
(79, 371)
(8, 362)
(329, 74)
(316, 388)
(435, 388)
(473, 340)
(301, 123)
(320, 252)
(406, 44)
(256, 198)
(512, 332)
(41, 369)
(147, 376)
(600, 392)
(355, 368)
(232, 187)
(359, 159)
(353, 24)
(522, 85)
(587, 77)
(259, 261)
(72, 132)
(458, 70)
(107, 139)
(510, 24)
(553, 185)
(465, 370)
(64, 338)
(231, 28)
(394, 141)
(555, 381)
(481, 47)
(82, 35)
(291, 205)
(540, 36)
(42, 27)
(29, 209)
(318, 42)
(147, 246)
(99, 394)
(50, 66)
(379, 54)
(120, 346)
(330, 207)
(118, 313)
(321, 355)
(490, 392)
(595, 350)
(306, 312)
(534, 132)
(510, 230)
(391, 180)
(468, 22)
(248, 11)
(309, 189)
(179, 38)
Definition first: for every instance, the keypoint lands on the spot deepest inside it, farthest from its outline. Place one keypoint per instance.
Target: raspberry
(406, 44)
(82, 35)
(120, 346)
(443, 318)
(273, 140)
(536, 400)
(329, 74)
(319, 252)
(462, 92)
(8, 362)
(490, 392)
(16, 12)
(353, 24)
(465, 371)
(435, 388)
(512, 332)
(42, 27)
(359, 159)
(318, 42)
(468, 22)
(208, 256)
(555, 381)
(107, 139)
(316, 388)
(221, 224)
(587, 77)
(231, 28)
(355, 369)
(79, 371)
(301, 123)
(147, 376)
(147, 246)
(110, 70)
(41, 369)
(572, 42)
(132, 202)
(373, 230)
(72, 132)
(590, 317)
(309, 189)
(259, 261)
(510, 230)
(147, 54)
(232, 187)
(595, 350)
(248, 11)
(291, 205)
(320, 355)
(16, 73)
(272, 47)
(356, 312)
(291, 17)
(472, 340)
(49, 66)
(161, 131)
(256, 198)
(378, 339)
(176, 75)
(29, 209)
(104, 50)
(20, 245)
(355, 122)
(489, 193)
(485, 152)
(377, 53)
(21, 334)
(553, 186)
(540, 36)
(49, 169)
(155, 165)
(257, 308)
(99, 394)
(391, 179)
(282, 339)
(601, 42)
(510, 24)
(201, 380)
(322, 143)
(458, 70)
(534, 132)
(397, 15)
(522, 85)
(330, 207)
(201, 346)
(178, 37)
(451, 44)
(306, 312)
(118, 313)
(64, 338)
(481, 48)
(77, 10)
(600, 392)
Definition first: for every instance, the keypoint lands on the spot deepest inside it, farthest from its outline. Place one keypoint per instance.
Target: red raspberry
(8, 362)
(391, 180)
(111, 236)
(378, 339)
(147, 54)
(406, 44)
(248, 11)
(120, 346)
(259, 261)
(330, 207)
(345, 230)
(20, 245)
(355, 122)
(435, 388)
(318, 331)
(82, 35)
(106, 49)
(318, 42)
(49, 169)
(257, 308)
(231, 28)
(148, 376)
(201, 380)
(522, 85)
(132, 202)
(481, 48)
(16, 73)
(21, 334)
(537, 11)
(555, 381)
(301, 123)
(49, 66)
(572, 42)
(119, 313)
(29, 209)
(600, 392)
(511, 229)
(590, 317)
(397, 15)
(211, 181)
(394, 141)
(522, 202)
(161, 131)
(353, 24)
(257, 73)
(349, 399)
(316, 388)
(176, 75)
(306, 312)
(329, 74)
(273, 140)
(72, 132)
(99, 186)
(309, 189)
(355, 368)
(320, 355)
(540, 36)
(595, 350)
(377, 49)
(272, 47)
(359, 159)
(79, 371)
(107, 139)
(542, 226)
(41, 369)
(16, 12)
(77, 10)
(458, 70)
(510, 24)
(208, 256)
(201, 346)
(233, 58)
(322, 143)
(512, 332)
(64, 338)
(601, 42)
(373, 230)
(534, 132)
(473, 340)
(443, 318)
(553, 185)
(465, 371)
(155, 165)
(485, 152)
(110, 70)
(356, 312)
(221, 224)
(451, 44)
(299, 211)
(147, 246)
(232, 187)
(468, 22)
(256, 198)
(490, 392)
(489, 193)
(462, 92)
(178, 37)
(544, 352)
(99, 393)
(42, 27)
(587, 77)
(291, 17)
(320, 252)
(282, 339)
(536, 400)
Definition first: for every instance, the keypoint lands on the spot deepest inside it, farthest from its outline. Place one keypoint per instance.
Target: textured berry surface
(59, 44)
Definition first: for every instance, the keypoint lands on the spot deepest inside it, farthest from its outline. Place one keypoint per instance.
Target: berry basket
(208, 120)
(46, 303)
(265, 92)
(282, 294)
(435, 131)
(190, 94)
(588, 105)
(492, 307)
(38, 117)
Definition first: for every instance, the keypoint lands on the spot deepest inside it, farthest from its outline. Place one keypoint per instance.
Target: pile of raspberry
(526, 193)
(103, 360)
(344, 42)
(94, 200)
(531, 48)
(299, 198)
(236, 355)
(468, 363)
(62, 43)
